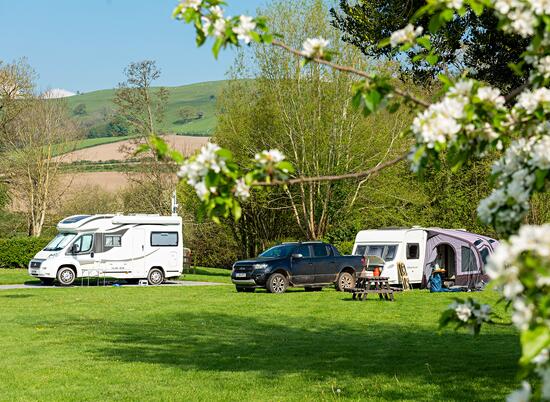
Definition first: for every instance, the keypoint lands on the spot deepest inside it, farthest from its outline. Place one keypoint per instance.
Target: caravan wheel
(156, 276)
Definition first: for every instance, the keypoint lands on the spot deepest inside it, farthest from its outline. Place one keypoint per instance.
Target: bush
(18, 251)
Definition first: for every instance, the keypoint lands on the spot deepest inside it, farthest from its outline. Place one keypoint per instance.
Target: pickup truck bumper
(251, 279)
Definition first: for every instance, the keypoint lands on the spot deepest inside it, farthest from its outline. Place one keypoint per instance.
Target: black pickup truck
(312, 265)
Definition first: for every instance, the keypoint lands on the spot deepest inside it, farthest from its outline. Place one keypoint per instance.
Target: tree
(143, 108)
(40, 132)
(485, 51)
(186, 114)
(16, 90)
(469, 121)
(80, 110)
(307, 115)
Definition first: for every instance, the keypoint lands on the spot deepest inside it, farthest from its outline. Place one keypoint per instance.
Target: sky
(84, 46)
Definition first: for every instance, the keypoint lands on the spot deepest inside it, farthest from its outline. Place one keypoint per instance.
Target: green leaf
(424, 41)
(533, 341)
(285, 166)
(217, 46)
(432, 59)
(225, 153)
(540, 178)
(435, 23)
(477, 8)
(384, 42)
(447, 15)
(236, 210)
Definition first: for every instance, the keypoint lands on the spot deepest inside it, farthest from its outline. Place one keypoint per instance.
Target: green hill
(198, 99)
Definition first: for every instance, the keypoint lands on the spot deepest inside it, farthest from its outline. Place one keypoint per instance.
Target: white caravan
(462, 254)
(117, 246)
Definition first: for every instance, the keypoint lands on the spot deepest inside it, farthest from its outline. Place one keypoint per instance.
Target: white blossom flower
(543, 66)
(463, 312)
(521, 395)
(242, 190)
(522, 314)
(315, 47)
(201, 190)
(271, 156)
(482, 314)
(193, 4)
(456, 4)
(206, 24)
(405, 35)
(491, 95)
(216, 11)
(219, 27)
(541, 358)
(244, 28)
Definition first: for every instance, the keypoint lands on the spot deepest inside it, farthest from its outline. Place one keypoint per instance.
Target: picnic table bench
(371, 284)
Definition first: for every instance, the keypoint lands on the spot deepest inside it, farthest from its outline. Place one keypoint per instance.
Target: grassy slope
(195, 96)
(215, 344)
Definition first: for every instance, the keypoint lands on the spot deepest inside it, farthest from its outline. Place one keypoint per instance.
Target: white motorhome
(461, 253)
(117, 246)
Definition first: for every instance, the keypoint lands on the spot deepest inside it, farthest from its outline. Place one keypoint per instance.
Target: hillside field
(200, 97)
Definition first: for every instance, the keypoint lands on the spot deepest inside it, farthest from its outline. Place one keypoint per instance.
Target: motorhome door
(138, 250)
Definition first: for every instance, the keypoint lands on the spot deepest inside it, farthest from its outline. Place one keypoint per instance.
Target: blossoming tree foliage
(469, 120)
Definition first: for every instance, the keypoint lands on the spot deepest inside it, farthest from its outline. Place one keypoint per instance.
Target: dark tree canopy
(485, 52)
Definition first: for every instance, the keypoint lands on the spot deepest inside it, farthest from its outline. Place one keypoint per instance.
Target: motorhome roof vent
(74, 219)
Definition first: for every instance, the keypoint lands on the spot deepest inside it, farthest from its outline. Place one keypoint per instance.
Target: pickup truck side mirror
(297, 255)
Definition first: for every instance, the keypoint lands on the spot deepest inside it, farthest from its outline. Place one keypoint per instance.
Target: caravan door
(415, 248)
(138, 253)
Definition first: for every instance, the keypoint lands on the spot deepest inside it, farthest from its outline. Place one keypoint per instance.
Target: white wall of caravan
(411, 250)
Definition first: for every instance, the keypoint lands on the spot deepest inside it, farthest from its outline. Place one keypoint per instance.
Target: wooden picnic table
(371, 284)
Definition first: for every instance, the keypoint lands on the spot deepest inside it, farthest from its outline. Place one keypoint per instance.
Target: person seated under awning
(436, 281)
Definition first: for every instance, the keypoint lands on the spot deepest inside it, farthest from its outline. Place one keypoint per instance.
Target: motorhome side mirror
(297, 255)
(75, 249)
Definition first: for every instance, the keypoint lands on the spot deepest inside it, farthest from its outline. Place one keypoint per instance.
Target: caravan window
(164, 239)
(468, 260)
(385, 251)
(413, 251)
(113, 241)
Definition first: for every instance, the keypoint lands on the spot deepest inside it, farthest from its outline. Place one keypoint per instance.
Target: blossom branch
(347, 69)
(357, 175)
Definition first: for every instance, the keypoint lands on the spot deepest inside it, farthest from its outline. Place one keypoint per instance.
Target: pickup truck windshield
(60, 241)
(282, 250)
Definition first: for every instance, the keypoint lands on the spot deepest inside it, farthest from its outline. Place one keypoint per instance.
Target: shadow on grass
(17, 296)
(451, 365)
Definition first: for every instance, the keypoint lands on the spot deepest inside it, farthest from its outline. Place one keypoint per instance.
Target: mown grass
(200, 274)
(211, 343)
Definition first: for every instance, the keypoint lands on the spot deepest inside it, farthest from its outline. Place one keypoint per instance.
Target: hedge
(16, 252)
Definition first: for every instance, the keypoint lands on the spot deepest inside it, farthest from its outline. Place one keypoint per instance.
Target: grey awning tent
(464, 254)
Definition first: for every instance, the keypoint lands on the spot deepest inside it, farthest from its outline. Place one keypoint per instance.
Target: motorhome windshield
(385, 251)
(282, 250)
(60, 241)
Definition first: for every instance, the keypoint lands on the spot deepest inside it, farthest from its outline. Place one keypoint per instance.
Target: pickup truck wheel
(66, 276)
(345, 280)
(245, 289)
(277, 283)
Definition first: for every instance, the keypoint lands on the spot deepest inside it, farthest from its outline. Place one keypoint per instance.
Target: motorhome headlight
(260, 266)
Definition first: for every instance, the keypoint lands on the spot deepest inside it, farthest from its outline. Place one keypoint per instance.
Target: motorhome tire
(155, 277)
(277, 283)
(47, 281)
(66, 276)
(345, 280)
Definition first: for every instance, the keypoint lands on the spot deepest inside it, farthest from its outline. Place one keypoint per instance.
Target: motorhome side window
(413, 251)
(84, 243)
(164, 239)
(113, 241)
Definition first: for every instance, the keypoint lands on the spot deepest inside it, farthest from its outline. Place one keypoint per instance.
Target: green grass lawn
(200, 274)
(212, 343)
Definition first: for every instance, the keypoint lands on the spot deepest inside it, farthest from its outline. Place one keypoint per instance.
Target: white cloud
(57, 93)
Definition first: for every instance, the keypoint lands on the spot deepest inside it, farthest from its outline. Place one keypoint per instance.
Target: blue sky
(84, 45)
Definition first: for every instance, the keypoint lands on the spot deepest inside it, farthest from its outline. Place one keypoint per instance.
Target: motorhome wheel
(66, 276)
(155, 277)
